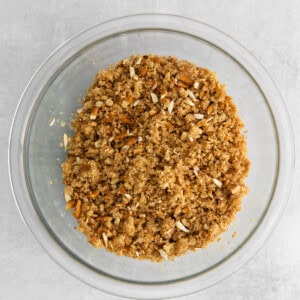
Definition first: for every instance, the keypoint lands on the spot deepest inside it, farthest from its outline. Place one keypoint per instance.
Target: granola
(157, 163)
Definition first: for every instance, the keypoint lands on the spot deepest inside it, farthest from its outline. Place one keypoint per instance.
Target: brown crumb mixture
(157, 163)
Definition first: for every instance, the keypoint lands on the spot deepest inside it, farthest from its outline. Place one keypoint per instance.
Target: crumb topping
(157, 163)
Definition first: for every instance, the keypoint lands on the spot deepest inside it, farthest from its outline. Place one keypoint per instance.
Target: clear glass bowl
(53, 92)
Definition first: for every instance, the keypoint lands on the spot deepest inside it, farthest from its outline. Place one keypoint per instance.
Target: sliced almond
(180, 226)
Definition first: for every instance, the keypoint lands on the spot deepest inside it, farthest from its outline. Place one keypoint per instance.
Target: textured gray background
(30, 30)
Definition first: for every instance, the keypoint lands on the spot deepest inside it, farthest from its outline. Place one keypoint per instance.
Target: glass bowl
(50, 100)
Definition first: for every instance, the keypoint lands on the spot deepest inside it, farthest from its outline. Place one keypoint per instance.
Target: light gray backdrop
(30, 30)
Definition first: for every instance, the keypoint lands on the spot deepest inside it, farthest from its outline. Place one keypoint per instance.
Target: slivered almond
(65, 141)
(180, 226)
(171, 106)
(217, 182)
(163, 254)
(105, 239)
(189, 102)
(136, 102)
(94, 194)
(94, 113)
(77, 210)
(129, 197)
(67, 197)
(191, 94)
(70, 204)
(131, 72)
(139, 60)
(125, 119)
(187, 80)
(199, 116)
(52, 122)
(121, 136)
(196, 85)
(154, 98)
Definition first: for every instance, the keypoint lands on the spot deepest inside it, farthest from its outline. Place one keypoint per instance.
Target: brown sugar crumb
(157, 164)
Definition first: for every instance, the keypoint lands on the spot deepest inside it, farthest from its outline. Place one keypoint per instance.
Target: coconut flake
(154, 98)
(171, 106)
(131, 72)
(180, 226)
(163, 254)
(199, 116)
(217, 182)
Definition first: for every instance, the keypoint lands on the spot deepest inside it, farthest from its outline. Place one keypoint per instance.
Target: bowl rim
(108, 28)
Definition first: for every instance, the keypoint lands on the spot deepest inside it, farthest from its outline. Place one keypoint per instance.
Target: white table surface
(30, 30)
